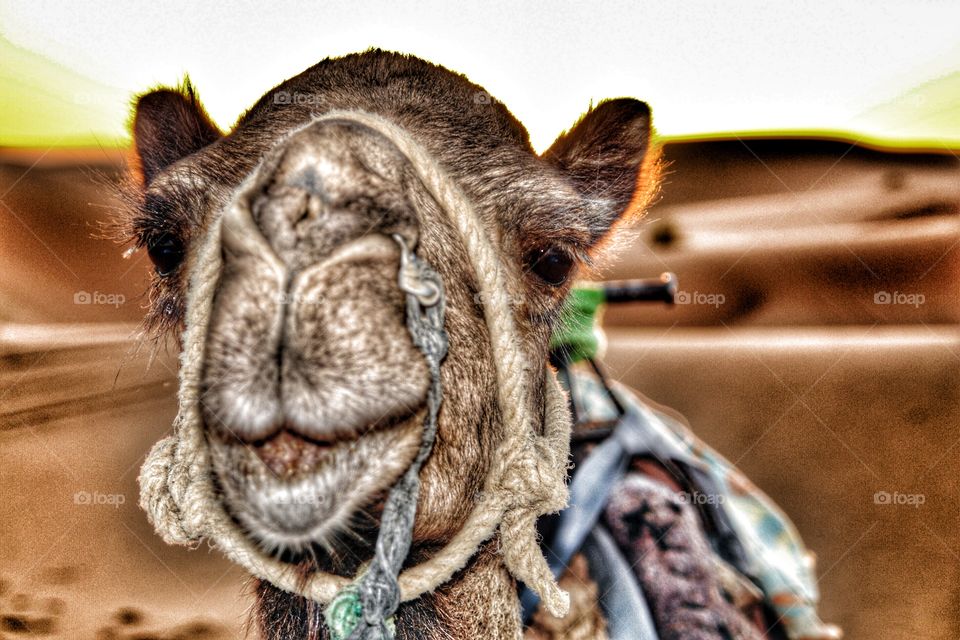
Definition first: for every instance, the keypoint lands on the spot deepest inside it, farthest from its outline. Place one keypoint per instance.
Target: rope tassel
(520, 536)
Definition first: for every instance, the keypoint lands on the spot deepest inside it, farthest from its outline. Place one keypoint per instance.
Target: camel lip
(287, 453)
(289, 494)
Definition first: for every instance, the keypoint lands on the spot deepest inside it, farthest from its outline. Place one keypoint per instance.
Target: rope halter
(527, 474)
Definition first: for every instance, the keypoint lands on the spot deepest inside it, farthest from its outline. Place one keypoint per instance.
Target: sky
(875, 69)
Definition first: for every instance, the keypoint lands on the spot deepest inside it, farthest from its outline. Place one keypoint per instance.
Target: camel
(312, 400)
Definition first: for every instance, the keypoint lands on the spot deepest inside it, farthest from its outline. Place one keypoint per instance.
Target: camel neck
(480, 601)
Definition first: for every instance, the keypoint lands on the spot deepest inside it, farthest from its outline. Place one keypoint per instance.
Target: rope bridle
(526, 478)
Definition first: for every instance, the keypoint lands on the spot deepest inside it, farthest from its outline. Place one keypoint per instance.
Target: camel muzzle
(527, 476)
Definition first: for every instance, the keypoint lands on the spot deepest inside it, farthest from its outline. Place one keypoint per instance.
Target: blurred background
(811, 211)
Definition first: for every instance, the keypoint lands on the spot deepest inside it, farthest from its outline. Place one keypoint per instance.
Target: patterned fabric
(665, 543)
(775, 555)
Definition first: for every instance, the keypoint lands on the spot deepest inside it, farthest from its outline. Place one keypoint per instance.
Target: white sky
(703, 66)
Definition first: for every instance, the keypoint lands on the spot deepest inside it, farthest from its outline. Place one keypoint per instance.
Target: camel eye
(551, 264)
(166, 252)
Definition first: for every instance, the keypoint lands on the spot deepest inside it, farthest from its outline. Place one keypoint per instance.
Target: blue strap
(635, 434)
(621, 599)
(595, 477)
(589, 489)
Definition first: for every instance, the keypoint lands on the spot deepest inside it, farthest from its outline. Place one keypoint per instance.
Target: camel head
(311, 392)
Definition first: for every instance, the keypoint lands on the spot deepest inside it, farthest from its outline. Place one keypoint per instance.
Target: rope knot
(533, 479)
(164, 484)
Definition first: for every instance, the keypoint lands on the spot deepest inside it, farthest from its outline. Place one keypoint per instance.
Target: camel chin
(291, 494)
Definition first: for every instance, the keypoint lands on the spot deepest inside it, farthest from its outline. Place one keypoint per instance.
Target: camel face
(312, 392)
(312, 389)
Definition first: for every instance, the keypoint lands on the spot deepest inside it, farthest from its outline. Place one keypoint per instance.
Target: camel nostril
(314, 210)
(326, 186)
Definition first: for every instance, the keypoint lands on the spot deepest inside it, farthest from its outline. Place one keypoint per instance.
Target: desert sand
(786, 358)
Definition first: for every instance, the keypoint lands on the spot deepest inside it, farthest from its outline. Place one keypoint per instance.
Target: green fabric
(577, 331)
(344, 613)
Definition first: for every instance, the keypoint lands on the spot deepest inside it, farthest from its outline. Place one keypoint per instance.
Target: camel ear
(607, 156)
(169, 124)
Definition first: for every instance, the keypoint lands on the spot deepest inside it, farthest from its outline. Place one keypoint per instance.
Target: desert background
(787, 358)
(810, 209)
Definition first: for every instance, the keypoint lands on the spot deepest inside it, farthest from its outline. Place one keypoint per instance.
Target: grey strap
(365, 609)
(624, 603)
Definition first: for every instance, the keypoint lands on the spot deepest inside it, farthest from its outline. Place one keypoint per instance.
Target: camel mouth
(312, 400)
(288, 454)
(292, 493)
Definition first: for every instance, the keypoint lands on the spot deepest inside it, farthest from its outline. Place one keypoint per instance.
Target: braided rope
(364, 611)
(526, 478)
